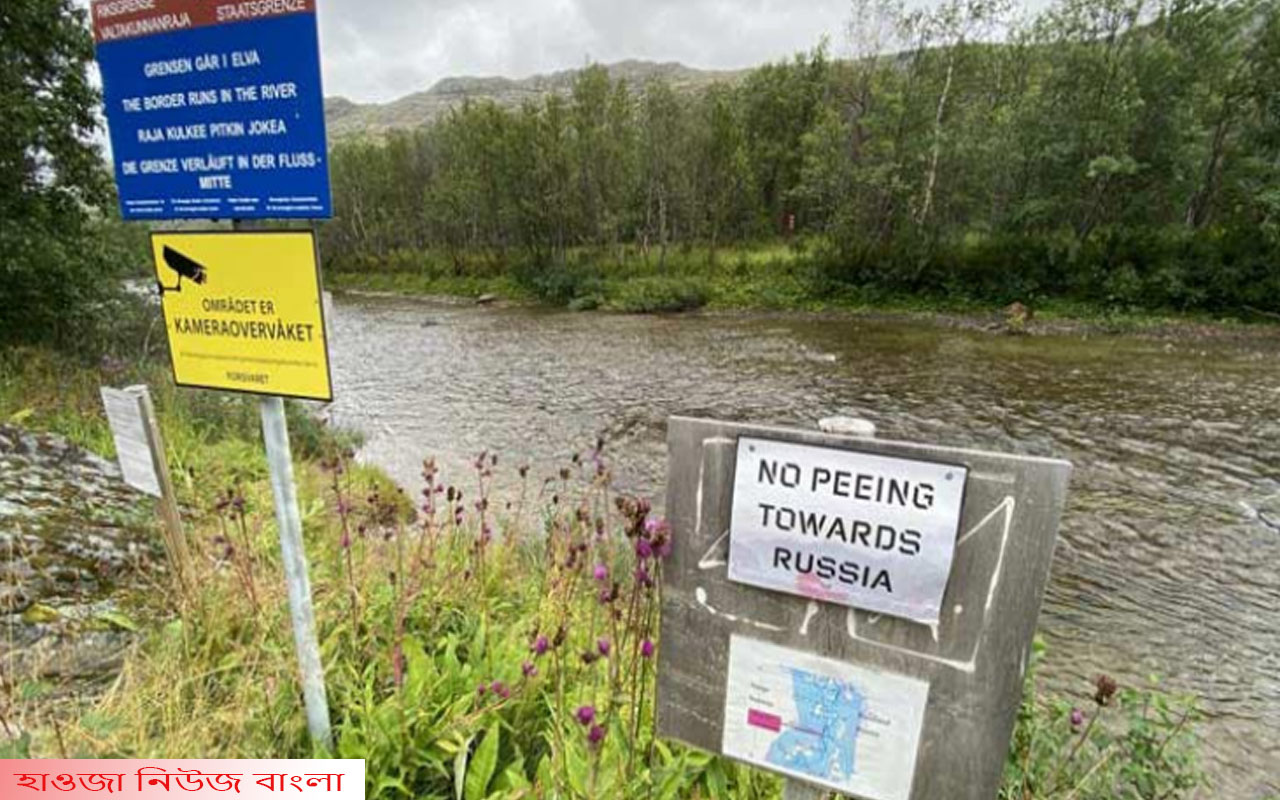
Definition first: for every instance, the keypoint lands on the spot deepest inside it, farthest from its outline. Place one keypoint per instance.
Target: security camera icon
(185, 267)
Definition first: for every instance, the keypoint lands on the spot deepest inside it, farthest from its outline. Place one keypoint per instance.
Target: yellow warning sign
(244, 312)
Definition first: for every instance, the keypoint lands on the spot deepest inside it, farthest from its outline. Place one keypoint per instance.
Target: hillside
(346, 119)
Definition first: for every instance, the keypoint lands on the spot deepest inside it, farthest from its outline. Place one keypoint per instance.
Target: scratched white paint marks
(823, 721)
(133, 446)
(856, 529)
(973, 656)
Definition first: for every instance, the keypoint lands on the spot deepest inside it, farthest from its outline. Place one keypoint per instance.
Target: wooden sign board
(133, 442)
(811, 685)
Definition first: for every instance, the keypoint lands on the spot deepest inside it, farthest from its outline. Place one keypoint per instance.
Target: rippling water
(1164, 566)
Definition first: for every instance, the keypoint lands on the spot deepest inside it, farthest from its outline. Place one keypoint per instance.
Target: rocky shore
(75, 543)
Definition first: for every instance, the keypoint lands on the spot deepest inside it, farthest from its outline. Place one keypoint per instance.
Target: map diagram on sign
(824, 742)
(834, 724)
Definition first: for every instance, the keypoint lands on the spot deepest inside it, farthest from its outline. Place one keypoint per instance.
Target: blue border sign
(215, 108)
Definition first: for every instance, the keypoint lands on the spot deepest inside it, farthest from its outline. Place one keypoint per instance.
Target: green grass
(211, 438)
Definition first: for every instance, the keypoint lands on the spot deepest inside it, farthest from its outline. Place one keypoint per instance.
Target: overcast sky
(378, 50)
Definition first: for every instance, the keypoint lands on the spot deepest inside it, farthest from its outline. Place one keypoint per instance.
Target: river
(1164, 565)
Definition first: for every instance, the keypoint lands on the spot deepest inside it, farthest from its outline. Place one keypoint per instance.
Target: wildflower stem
(1052, 783)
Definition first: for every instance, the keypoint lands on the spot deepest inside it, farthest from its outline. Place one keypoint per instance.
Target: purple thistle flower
(604, 646)
(586, 715)
(481, 689)
(500, 689)
(595, 736)
(664, 548)
(643, 577)
(346, 541)
(1077, 718)
(606, 596)
(643, 549)
(541, 646)
(601, 573)
(529, 669)
(646, 649)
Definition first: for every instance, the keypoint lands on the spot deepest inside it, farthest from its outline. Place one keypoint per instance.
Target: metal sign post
(244, 311)
(275, 431)
(216, 111)
(293, 554)
(802, 680)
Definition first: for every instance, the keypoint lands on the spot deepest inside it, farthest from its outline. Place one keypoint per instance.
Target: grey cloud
(376, 50)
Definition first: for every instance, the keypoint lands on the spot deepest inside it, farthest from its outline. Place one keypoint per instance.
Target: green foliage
(213, 438)
(1113, 152)
(560, 284)
(660, 294)
(62, 258)
(1132, 743)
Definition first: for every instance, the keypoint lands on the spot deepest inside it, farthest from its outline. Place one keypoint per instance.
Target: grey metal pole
(846, 426)
(275, 431)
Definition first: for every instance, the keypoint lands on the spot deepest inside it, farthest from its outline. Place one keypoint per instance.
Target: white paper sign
(837, 725)
(865, 531)
(133, 448)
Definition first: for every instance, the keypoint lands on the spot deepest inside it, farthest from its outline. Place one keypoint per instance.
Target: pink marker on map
(759, 719)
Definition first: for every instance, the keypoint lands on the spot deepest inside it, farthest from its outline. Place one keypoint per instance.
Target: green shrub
(1117, 743)
(1114, 266)
(654, 295)
(559, 284)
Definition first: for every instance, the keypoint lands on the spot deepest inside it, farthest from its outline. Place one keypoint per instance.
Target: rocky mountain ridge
(346, 119)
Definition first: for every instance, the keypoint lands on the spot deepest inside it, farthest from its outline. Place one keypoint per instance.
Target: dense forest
(1118, 152)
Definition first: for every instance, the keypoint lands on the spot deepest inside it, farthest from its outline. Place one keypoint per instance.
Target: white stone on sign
(845, 727)
(133, 446)
(866, 531)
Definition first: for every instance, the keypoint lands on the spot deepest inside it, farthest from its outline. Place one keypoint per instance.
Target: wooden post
(795, 790)
(172, 532)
